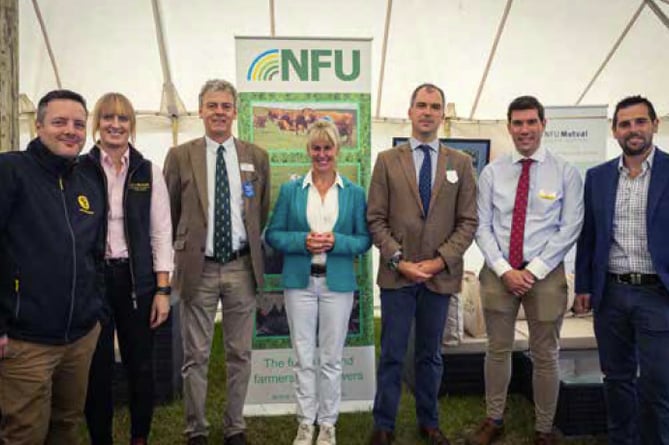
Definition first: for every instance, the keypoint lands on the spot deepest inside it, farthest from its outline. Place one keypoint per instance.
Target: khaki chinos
(234, 286)
(544, 307)
(40, 382)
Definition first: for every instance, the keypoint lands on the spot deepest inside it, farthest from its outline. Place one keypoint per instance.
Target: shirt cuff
(538, 268)
(500, 267)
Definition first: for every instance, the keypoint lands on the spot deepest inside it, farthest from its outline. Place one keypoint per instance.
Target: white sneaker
(305, 434)
(326, 435)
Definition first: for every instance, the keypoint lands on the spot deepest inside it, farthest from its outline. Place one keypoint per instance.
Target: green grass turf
(458, 415)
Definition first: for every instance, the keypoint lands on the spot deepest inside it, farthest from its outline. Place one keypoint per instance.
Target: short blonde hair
(323, 129)
(116, 104)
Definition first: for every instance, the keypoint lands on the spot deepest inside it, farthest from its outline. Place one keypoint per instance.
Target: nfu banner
(577, 133)
(286, 84)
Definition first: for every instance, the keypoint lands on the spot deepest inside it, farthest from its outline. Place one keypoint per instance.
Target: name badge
(249, 192)
(551, 196)
(247, 167)
(452, 176)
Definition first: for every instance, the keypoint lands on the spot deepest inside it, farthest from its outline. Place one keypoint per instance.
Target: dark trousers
(632, 329)
(135, 339)
(399, 307)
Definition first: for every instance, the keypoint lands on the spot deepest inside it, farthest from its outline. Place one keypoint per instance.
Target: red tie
(519, 213)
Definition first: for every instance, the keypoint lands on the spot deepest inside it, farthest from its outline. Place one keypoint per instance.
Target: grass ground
(459, 416)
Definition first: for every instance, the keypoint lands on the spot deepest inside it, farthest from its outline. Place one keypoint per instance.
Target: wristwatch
(394, 260)
(164, 290)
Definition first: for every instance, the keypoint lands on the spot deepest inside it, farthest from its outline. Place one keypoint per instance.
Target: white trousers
(318, 320)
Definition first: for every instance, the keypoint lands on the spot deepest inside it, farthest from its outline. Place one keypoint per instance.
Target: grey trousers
(544, 307)
(234, 286)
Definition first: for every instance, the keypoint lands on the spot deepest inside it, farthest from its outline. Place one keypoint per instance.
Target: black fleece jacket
(53, 214)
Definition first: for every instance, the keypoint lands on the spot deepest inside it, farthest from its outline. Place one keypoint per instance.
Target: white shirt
(236, 198)
(322, 213)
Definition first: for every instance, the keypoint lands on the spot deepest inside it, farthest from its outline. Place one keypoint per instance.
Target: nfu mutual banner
(577, 133)
(286, 84)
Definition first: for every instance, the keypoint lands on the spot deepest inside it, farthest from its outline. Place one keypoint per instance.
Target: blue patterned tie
(222, 217)
(425, 178)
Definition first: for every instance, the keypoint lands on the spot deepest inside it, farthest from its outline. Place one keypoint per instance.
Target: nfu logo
(304, 65)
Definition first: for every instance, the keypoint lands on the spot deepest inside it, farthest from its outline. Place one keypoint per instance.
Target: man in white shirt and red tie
(530, 210)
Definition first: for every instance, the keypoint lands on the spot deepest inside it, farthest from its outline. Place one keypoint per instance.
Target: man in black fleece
(52, 227)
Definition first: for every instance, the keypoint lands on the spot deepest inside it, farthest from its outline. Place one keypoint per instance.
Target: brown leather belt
(237, 254)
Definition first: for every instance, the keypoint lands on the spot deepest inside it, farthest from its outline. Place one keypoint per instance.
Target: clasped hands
(518, 282)
(319, 242)
(421, 271)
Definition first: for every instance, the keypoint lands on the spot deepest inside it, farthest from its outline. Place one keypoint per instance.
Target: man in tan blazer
(219, 191)
(422, 217)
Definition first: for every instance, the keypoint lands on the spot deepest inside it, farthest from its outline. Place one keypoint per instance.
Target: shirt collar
(308, 180)
(212, 145)
(647, 164)
(538, 156)
(107, 160)
(415, 143)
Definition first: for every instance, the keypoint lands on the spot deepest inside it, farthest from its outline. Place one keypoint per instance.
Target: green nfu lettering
(272, 379)
(351, 376)
(310, 63)
(272, 363)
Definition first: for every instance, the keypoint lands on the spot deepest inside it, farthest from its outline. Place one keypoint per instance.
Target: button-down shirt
(419, 155)
(161, 226)
(629, 249)
(322, 213)
(236, 198)
(554, 211)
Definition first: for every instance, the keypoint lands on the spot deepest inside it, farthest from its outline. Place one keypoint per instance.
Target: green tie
(222, 217)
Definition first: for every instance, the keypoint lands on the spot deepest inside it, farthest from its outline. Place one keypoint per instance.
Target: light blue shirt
(419, 155)
(236, 198)
(554, 211)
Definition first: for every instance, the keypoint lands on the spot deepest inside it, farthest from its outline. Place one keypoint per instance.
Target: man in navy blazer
(622, 272)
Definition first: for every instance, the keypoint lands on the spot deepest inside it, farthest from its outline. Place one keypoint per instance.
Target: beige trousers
(544, 307)
(234, 286)
(43, 391)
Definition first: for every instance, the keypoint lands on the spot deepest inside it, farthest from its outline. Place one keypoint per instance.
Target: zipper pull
(16, 285)
(60, 183)
(134, 300)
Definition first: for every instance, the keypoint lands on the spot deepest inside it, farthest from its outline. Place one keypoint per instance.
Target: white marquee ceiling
(553, 49)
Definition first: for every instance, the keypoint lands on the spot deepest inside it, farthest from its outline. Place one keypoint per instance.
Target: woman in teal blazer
(319, 225)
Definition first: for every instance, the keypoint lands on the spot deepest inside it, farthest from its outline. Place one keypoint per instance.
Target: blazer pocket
(180, 244)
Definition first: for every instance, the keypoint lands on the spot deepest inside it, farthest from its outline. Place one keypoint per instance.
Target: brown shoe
(545, 438)
(487, 433)
(381, 437)
(434, 436)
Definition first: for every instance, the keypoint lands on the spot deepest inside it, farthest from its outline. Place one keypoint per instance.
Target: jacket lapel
(440, 174)
(245, 158)
(302, 195)
(342, 202)
(198, 158)
(658, 183)
(408, 167)
(610, 190)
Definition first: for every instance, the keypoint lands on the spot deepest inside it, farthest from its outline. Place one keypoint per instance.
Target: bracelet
(164, 290)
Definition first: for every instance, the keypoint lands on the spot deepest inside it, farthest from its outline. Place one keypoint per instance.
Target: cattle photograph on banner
(284, 125)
